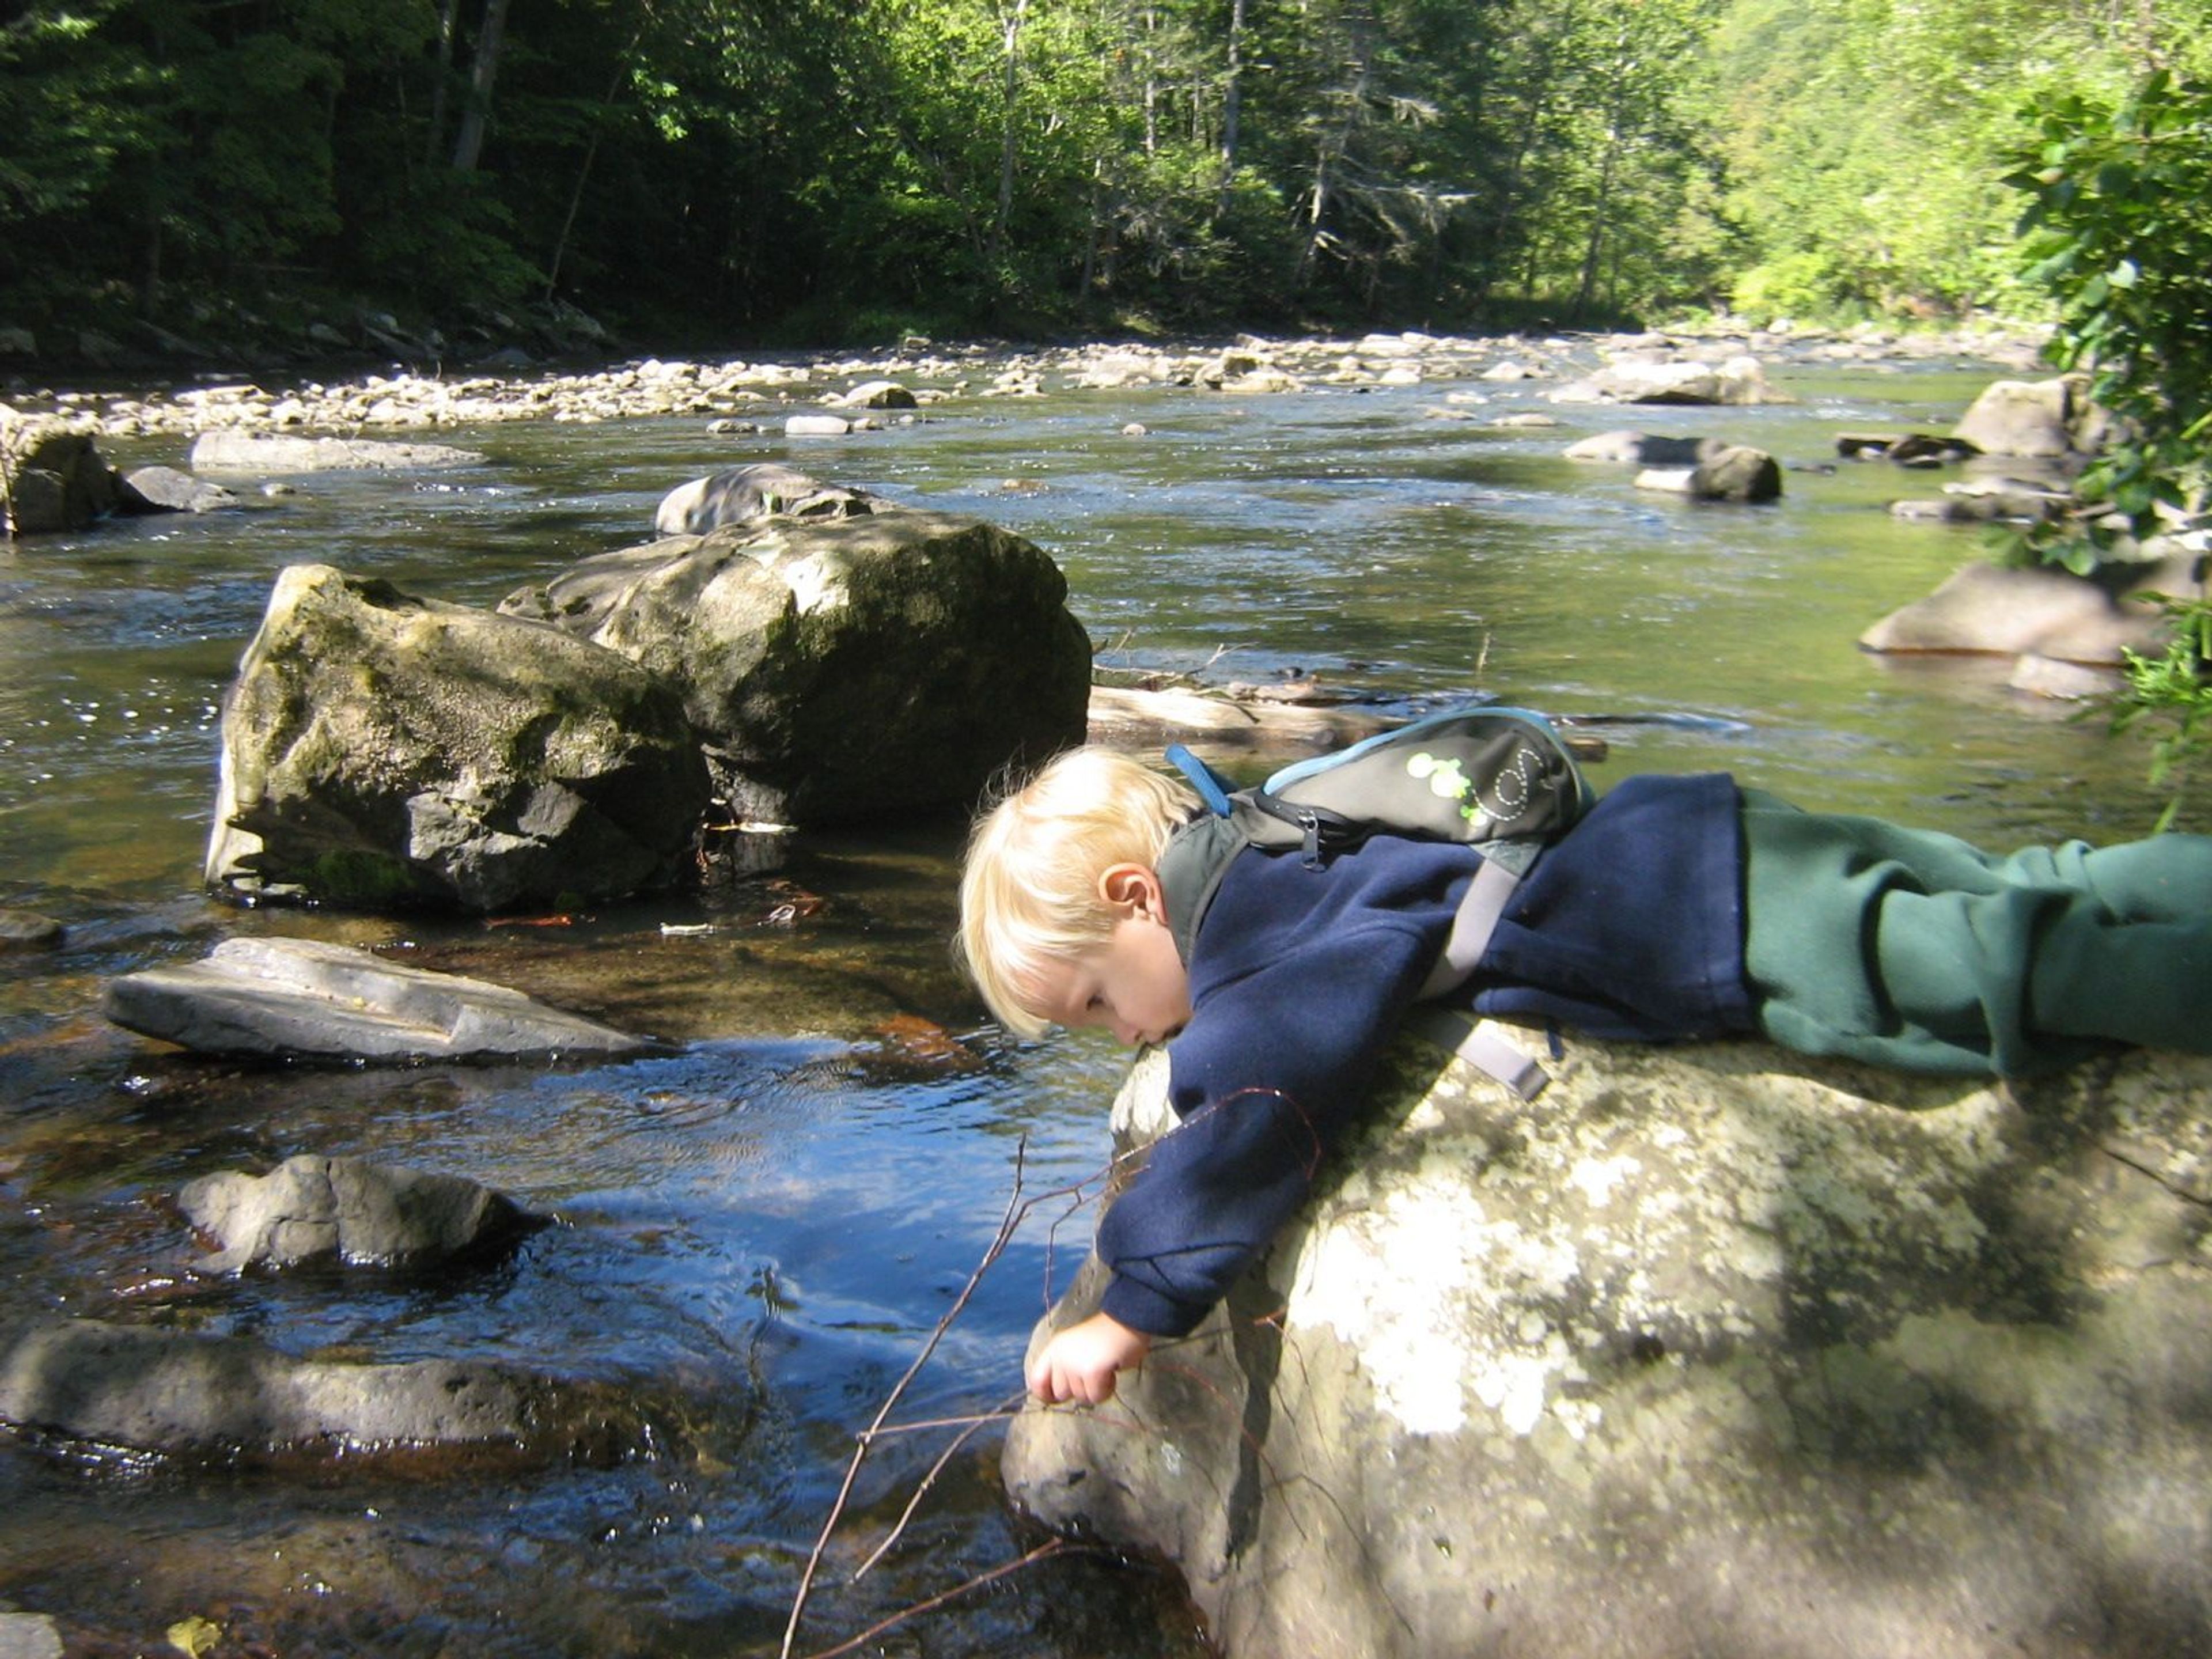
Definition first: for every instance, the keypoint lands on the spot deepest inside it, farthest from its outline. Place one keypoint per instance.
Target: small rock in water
(26, 930)
(360, 1212)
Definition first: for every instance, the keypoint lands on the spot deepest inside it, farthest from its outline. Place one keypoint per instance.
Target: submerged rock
(159, 1390)
(309, 1208)
(297, 998)
(27, 930)
(1707, 1350)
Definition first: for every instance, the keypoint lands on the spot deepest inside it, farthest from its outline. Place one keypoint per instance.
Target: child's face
(1135, 985)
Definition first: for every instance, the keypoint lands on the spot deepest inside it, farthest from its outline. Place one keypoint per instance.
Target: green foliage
(2169, 697)
(1865, 139)
(2116, 233)
(72, 105)
(731, 165)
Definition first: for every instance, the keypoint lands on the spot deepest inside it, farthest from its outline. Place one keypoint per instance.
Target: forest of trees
(729, 170)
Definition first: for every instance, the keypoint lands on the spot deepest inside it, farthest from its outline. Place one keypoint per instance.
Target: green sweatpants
(1912, 949)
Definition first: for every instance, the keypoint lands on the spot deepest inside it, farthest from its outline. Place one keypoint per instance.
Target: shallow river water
(756, 1234)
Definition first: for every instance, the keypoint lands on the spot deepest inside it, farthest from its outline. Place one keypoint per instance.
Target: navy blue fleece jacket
(1630, 926)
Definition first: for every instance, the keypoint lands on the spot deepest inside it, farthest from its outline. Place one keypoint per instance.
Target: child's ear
(1134, 888)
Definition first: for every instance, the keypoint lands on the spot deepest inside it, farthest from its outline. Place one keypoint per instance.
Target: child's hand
(1080, 1362)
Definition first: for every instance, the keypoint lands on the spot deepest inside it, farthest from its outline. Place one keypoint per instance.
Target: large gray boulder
(345, 1209)
(1705, 1351)
(297, 999)
(881, 665)
(2049, 420)
(380, 750)
(163, 1389)
(2044, 611)
(51, 479)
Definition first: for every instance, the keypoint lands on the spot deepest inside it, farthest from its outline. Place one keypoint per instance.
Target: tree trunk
(448, 20)
(1151, 83)
(468, 147)
(1232, 93)
(1011, 29)
(1335, 145)
(584, 171)
(1586, 288)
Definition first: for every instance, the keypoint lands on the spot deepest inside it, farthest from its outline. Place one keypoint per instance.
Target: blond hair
(1029, 892)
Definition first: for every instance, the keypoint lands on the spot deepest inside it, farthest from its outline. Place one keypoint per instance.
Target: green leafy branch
(2172, 695)
(2115, 232)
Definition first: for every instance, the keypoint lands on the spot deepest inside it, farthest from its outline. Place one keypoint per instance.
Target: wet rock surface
(349, 1210)
(161, 1389)
(1705, 1351)
(297, 998)
(382, 750)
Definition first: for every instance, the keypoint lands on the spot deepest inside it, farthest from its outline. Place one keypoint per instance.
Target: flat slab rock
(304, 1000)
(184, 1391)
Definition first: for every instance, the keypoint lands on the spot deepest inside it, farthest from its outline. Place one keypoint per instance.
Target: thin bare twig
(1050, 1547)
(1007, 1223)
(1005, 1409)
(1018, 1210)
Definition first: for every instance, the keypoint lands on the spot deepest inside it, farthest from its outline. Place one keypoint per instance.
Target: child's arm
(1271, 1072)
(1080, 1361)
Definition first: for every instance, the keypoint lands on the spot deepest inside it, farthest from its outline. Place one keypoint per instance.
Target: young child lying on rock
(1678, 907)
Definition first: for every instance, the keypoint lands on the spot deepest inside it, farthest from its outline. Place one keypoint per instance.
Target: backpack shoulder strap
(1190, 870)
(1212, 788)
(1481, 910)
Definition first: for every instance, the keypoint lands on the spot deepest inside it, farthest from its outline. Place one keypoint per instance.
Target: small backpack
(1500, 778)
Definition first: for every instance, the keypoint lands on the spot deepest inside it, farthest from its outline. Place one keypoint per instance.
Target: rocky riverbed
(741, 389)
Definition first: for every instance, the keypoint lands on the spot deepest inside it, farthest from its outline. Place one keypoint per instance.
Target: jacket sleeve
(1267, 1075)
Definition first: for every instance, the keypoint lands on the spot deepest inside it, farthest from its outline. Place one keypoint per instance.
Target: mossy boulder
(866, 668)
(1706, 1350)
(382, 750)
